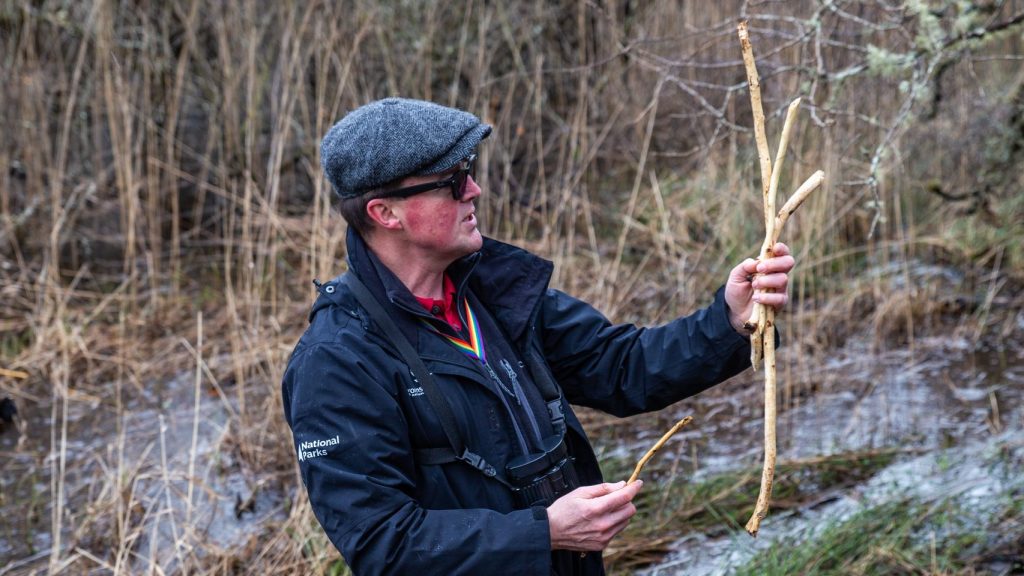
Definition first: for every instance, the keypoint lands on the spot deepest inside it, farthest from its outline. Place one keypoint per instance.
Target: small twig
(773, 188)
(650, 453)
(13, 373)
(25, 561)
(794, 202)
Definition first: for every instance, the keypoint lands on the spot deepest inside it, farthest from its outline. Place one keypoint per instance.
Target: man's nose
(472, 190)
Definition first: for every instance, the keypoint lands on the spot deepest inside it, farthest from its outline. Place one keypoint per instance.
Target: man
(429, 396)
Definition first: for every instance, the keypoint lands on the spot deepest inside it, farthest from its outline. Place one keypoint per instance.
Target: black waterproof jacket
(358, 418)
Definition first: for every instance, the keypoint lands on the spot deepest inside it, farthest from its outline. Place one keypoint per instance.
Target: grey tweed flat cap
(393, 138)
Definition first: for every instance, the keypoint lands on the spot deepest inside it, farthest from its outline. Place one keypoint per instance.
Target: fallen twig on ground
(13, 373)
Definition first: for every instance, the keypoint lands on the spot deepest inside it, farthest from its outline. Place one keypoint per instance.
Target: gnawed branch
(762, 319)
(654, 449)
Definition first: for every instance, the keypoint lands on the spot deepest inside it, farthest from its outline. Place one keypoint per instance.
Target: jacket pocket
(479, 420)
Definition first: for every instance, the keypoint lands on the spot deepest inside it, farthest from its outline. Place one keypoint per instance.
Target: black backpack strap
(548, 388)
(425, 379)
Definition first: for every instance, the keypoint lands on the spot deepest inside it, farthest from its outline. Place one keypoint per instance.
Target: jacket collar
(378, 277)
(506, 279)
(510, 282)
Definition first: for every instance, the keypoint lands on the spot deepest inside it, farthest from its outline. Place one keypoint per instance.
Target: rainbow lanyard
(474, 347)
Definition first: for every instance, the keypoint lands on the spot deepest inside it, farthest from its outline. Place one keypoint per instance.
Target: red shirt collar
(445, 309)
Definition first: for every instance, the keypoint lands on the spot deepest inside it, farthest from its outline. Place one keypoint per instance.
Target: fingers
(617, 507)
(781, 261)
(771, 289)
(772, 273)
(597, 490)
(780, 249)
(774, 281)
(774, 299)
(612, 524)
(623, 494)
(761, 281)
(608, 493)
(614, 510)
(778, 263)
(587, 518)
(772, 278)
(781, 258)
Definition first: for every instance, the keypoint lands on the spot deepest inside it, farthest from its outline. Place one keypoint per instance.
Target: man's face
(437, 225)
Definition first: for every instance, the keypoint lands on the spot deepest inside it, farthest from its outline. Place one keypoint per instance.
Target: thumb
(741, 273)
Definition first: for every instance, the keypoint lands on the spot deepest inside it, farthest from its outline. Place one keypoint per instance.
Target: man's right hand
(586, 519)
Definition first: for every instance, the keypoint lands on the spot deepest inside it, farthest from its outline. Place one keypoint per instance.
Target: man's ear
(381, 211)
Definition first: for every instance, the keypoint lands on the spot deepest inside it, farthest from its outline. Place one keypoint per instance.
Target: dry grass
(162, 212)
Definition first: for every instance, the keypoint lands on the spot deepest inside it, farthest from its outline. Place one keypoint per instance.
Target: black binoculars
(540, 478)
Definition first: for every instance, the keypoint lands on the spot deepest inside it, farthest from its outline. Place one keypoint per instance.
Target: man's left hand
(748, 281)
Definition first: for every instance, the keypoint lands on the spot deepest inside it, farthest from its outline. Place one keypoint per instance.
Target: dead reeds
(159, 165)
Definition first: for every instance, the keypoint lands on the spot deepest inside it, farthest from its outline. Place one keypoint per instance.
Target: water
(979, 476)
(942, 393)
(221, 507)
(960, 407)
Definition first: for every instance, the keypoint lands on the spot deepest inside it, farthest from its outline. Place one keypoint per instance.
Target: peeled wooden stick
(762, 315)
(773, 188)
(762, 341)
(760, 137)
(764, 159)
(650, 453)
(794, 201)
(762, 320)
(770, 235)
(770, 411)
(767, 340)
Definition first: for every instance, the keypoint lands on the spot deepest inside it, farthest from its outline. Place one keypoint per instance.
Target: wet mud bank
(938, 499)
(142, 491)
(948, 417)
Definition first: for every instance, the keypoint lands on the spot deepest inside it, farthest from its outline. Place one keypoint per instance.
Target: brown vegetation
(162, 211)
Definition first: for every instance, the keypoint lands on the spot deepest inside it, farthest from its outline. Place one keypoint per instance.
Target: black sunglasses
(457, 182)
